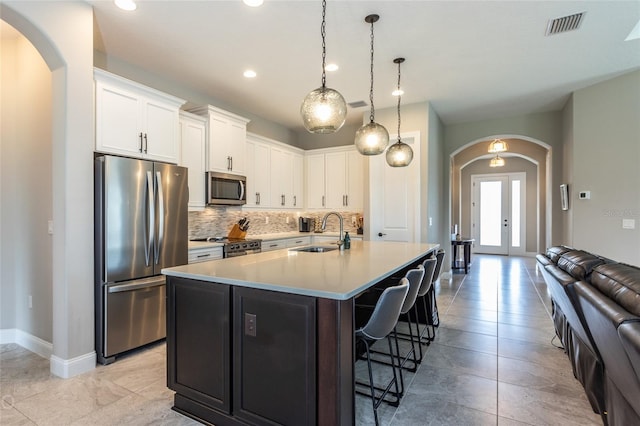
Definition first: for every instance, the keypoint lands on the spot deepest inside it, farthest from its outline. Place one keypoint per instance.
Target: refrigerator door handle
(151, 218)
(160, 190)
(138, 284)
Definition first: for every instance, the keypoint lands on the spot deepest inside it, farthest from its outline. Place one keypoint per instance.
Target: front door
(394, 197)
(498, 213)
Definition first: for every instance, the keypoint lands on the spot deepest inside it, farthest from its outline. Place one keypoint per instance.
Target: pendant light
(496, 161)
(372, 138)
(498, 145)
(399, 154)
(324, 110)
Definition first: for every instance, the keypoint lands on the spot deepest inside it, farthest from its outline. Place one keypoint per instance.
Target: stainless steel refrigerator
(140, 228)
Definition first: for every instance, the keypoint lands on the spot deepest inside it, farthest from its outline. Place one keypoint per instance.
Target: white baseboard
(64, 368)
(67, 368)
(27, 341)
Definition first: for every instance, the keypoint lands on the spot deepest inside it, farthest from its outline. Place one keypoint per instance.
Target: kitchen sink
(315, 249)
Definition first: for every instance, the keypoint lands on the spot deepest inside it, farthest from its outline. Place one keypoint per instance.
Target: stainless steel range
(235, 247)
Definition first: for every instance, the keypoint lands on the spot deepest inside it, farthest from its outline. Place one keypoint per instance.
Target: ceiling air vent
(565, 23)
(357, 104)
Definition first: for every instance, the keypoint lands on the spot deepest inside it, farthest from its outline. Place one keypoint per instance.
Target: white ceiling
(472, 60)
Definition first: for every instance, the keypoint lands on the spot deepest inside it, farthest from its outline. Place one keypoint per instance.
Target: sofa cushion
(543, 260)
(554, 253)
(578, 263)
(619, 282)
(629, 333)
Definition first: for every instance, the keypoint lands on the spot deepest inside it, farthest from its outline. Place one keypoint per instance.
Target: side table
(466, 243)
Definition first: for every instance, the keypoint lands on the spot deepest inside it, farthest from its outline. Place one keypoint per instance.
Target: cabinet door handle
(323, 201)
(295, 200)
(346, 200)
(380, 234)
(282, 198)
(204, 255)
(146, 143)
(140, 136)
(257, 198)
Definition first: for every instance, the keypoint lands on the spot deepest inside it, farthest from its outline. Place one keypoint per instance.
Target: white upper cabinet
(335, 179)
(281, 178)
(316, 198)
(274, 174)
(134, 120)
(193, 138)
(227, 134)
(298, 181)
(258, 173)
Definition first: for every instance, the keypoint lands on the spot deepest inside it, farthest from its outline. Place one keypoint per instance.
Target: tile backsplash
(218, 221)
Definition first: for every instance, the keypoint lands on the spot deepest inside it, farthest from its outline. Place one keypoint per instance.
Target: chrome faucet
(340, 242)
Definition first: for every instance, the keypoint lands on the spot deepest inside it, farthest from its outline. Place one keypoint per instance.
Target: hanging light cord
(399, 96)
(372, 116)
(323, 33)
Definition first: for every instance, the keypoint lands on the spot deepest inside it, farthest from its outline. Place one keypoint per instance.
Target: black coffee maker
(306, 224)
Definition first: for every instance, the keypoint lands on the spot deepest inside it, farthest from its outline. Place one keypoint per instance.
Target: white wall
(605, 161)
(25, 198)
(63, 34)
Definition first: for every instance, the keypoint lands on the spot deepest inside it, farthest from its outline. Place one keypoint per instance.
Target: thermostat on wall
(584, 195)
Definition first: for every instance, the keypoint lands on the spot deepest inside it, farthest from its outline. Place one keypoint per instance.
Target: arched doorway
(63, 35)
(527, 155)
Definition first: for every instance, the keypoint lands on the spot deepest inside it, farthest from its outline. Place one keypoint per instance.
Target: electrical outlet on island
(266, 220)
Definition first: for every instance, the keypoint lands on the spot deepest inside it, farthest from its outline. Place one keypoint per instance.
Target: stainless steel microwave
(226, 189)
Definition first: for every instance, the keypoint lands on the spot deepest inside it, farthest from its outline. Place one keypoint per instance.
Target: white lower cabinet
(274, 245)
(203, 254)
(298, 242)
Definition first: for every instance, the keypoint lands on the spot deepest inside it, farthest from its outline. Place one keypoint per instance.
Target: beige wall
(537, 133)
(534, 162)
(25, 196)
(605, 147)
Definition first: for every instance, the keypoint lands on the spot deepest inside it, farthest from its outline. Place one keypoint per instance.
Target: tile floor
(492, 363)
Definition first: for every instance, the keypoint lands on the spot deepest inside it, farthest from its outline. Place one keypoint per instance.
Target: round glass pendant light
(399, 154)
(324, 110)
(372, 138)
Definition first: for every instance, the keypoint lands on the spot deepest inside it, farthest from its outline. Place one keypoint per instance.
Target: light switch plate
(628, 224)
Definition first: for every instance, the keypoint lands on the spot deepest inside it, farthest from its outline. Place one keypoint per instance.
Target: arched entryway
(525, 155)
(63, 35)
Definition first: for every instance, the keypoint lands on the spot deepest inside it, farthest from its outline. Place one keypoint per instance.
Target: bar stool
(433, 302)
(428, 267)
(382, 322)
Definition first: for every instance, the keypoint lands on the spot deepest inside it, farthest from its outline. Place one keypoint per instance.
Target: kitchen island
(268, 338)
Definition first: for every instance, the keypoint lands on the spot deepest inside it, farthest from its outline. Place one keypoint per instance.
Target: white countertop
(336, 274)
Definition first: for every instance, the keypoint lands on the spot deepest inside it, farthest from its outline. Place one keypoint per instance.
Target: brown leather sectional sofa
(596, 313)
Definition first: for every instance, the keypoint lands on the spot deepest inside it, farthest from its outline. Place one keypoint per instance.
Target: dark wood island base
(242, 352)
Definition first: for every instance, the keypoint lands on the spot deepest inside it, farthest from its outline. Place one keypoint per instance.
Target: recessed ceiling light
(398, 92)
(253, 3)
(331, 67)
(250, 74)
(126, 4)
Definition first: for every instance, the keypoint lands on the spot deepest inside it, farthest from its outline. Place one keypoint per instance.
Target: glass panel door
(498, 213)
